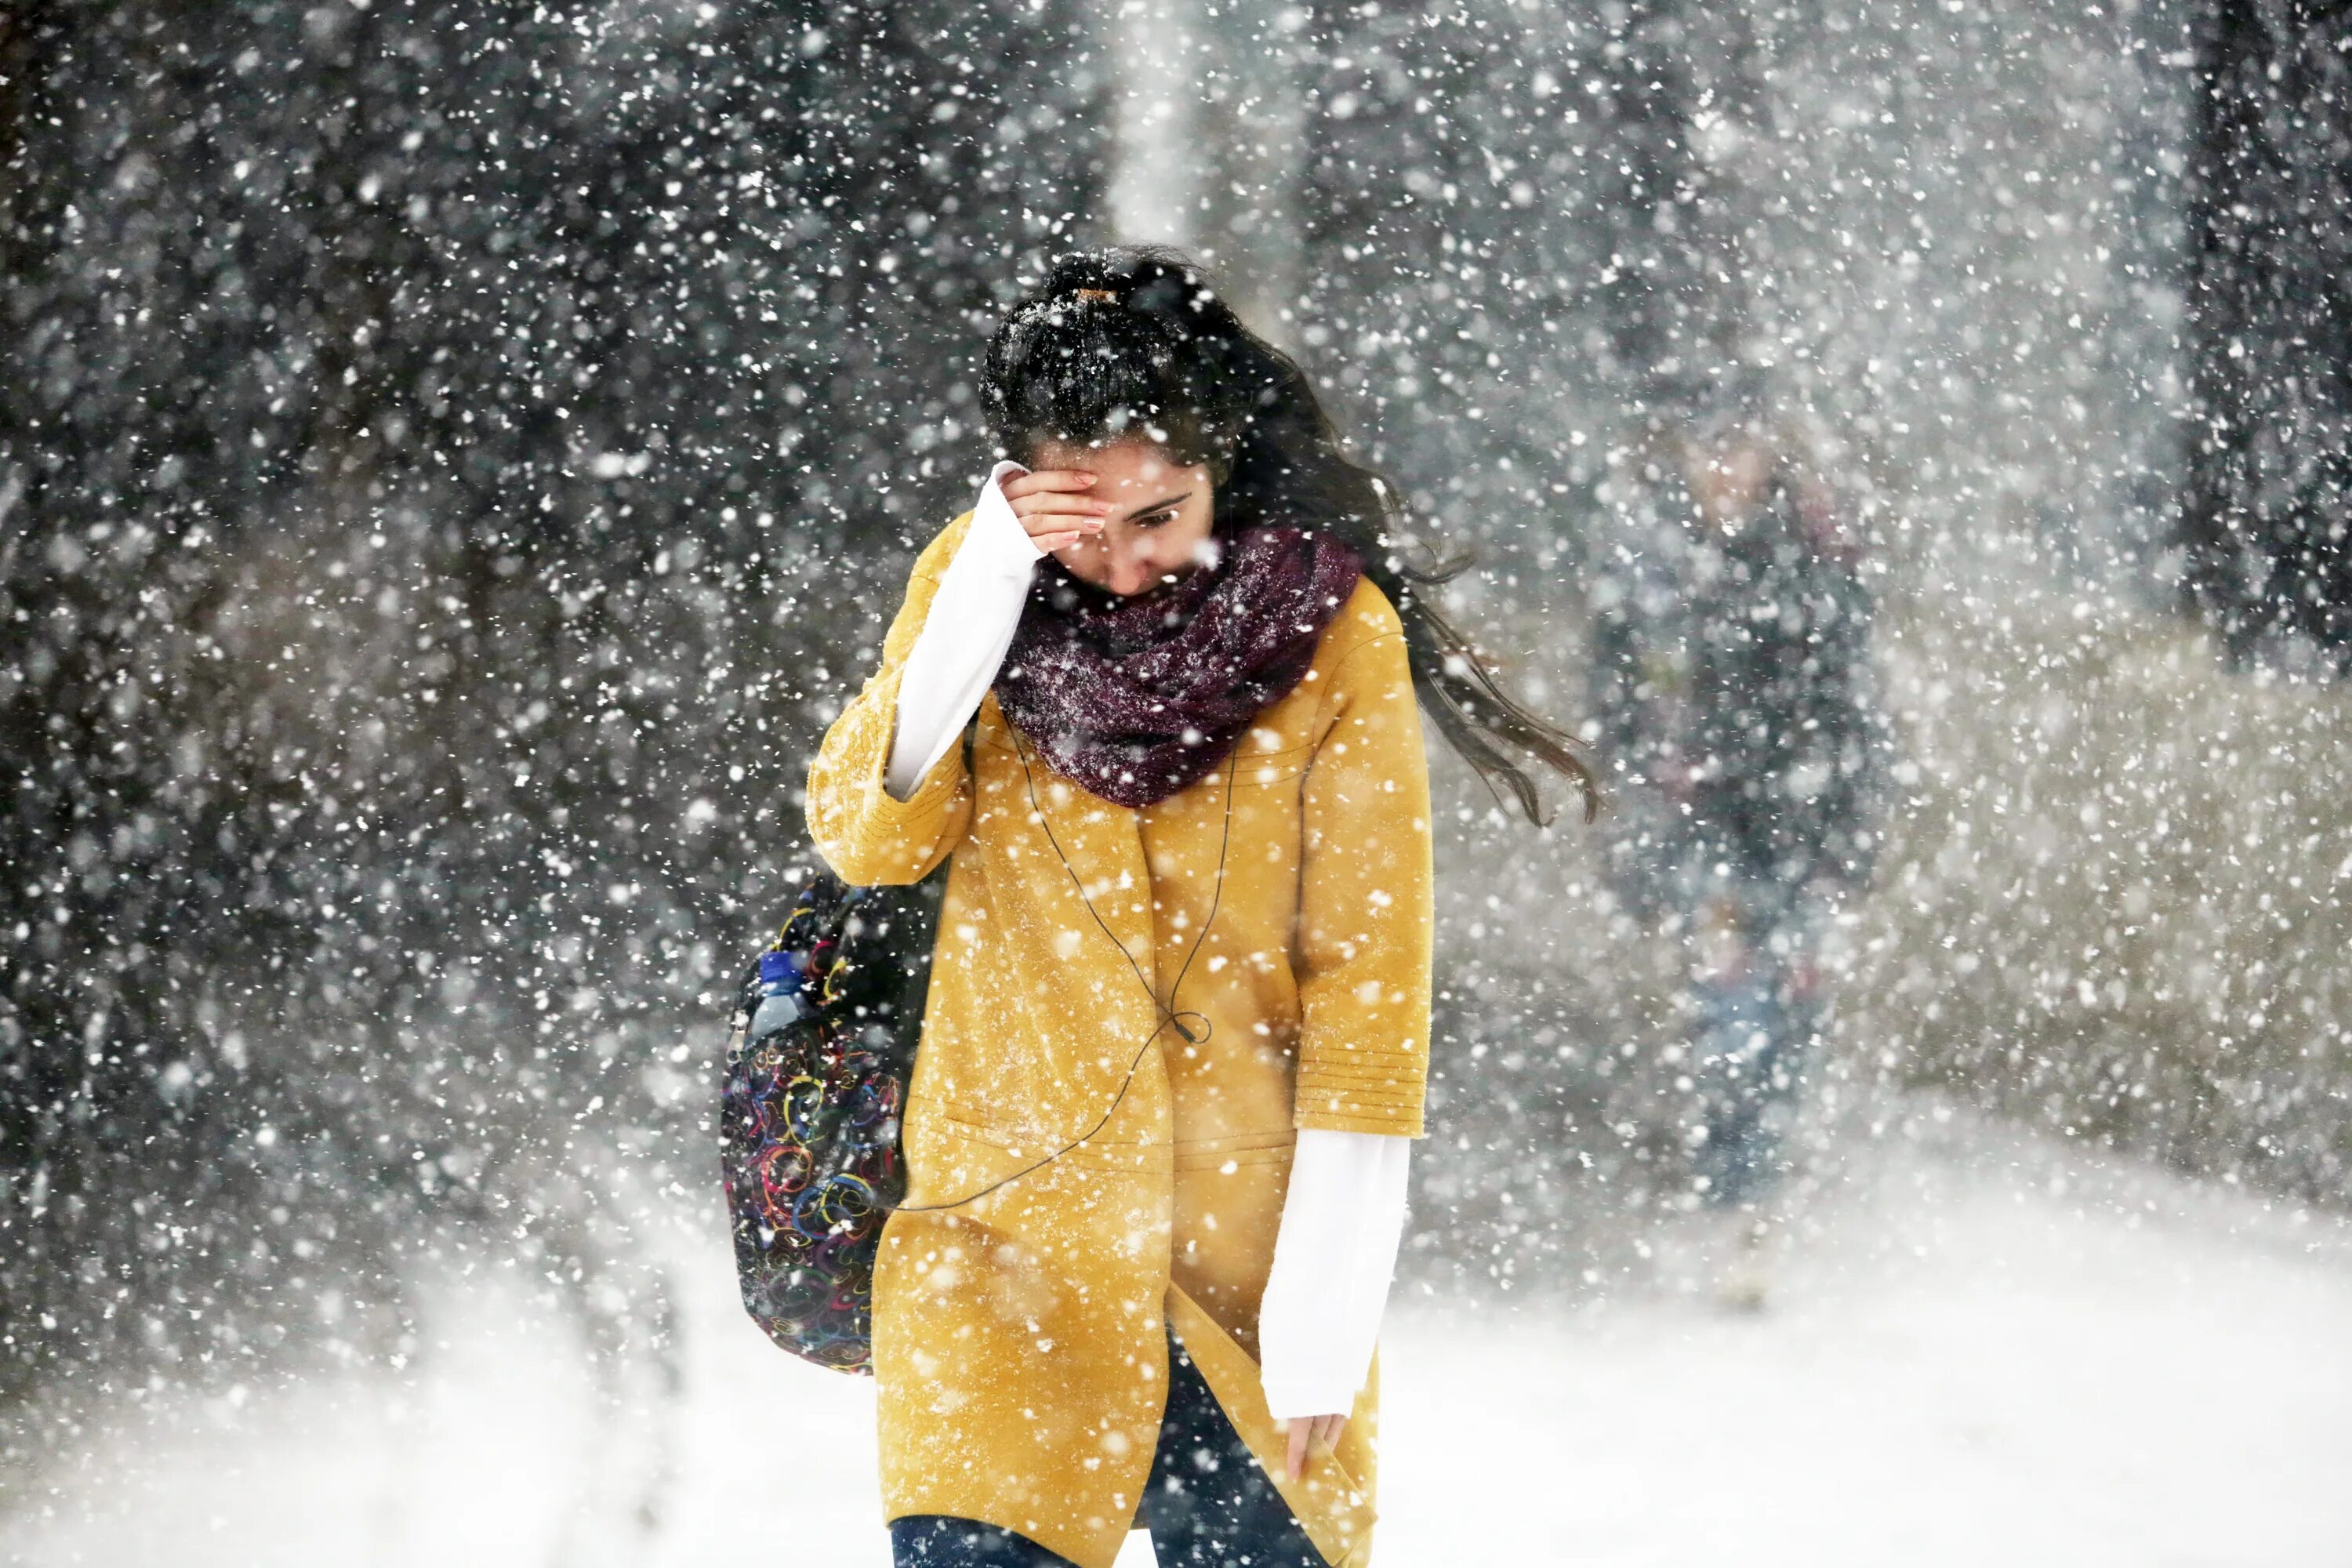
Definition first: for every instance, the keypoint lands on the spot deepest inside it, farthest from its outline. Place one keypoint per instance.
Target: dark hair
(1132, 343)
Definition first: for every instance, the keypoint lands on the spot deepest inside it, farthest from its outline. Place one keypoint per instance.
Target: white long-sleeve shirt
(1336, 1250)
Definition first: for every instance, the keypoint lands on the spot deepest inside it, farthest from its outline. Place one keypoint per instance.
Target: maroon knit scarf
(1136, 697)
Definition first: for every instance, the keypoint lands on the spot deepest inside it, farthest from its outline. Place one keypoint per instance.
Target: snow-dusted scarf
(1136, 697)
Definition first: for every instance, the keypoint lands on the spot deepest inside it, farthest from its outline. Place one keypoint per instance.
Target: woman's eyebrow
(1155, 506)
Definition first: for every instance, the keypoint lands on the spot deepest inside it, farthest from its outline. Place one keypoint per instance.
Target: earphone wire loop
(1168, 1016)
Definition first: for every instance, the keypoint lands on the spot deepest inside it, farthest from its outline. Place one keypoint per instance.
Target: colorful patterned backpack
(823, 1042)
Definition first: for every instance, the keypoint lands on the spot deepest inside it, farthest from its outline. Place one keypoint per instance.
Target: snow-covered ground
(1979, 1350)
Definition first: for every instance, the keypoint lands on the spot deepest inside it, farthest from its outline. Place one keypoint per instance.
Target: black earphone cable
(1168, 1013)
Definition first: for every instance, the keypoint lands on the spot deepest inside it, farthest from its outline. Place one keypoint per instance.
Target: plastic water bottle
(780, 994)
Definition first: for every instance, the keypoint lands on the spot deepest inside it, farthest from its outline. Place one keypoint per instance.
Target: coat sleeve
(1366, 900)
(867, 835)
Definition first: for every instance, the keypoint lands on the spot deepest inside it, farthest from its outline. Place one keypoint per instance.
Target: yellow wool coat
(1019, 1352)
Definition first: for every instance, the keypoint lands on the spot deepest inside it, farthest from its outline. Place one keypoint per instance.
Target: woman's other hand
(1055, 508)
(1302, 1427)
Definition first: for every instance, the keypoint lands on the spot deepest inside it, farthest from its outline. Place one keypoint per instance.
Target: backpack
(821, 1044)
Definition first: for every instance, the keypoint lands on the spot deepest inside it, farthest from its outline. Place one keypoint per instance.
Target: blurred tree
(1516, 224)
(435, 444)
(2268, 516)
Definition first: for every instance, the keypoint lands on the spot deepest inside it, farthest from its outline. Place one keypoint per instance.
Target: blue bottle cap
(777, 969)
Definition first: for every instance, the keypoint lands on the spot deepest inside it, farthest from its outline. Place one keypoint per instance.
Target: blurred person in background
(1731, 640)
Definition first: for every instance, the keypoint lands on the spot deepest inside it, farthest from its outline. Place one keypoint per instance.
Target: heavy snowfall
(457, 456)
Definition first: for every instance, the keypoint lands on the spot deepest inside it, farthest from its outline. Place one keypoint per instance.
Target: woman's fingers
(1054, 491)
(1054, 508)
(1051, 534)
(1055, 502)
(1302, 1427)
(1068, 510)
(1047, 478)
(1062, 501)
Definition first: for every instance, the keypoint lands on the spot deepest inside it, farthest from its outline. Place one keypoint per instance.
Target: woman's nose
(1129, 572)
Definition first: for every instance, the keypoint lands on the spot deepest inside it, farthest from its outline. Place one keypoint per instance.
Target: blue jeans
(1208, 1503)
(1752, 1047)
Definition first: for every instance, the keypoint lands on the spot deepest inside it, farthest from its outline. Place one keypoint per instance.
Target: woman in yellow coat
(1188, 918)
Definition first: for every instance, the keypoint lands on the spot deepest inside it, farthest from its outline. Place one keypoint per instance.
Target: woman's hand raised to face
(1053, 506)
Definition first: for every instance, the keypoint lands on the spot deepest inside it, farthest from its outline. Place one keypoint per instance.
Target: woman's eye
(1155, 519)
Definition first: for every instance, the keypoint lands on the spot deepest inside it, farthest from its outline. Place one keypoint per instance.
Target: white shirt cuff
(1333, 1261)
(965, 635)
